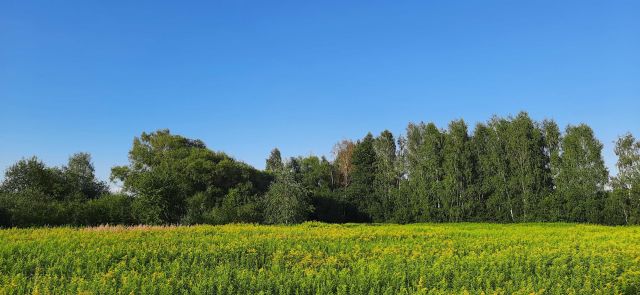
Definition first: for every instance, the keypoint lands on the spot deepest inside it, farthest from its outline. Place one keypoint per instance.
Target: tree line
(511, 169)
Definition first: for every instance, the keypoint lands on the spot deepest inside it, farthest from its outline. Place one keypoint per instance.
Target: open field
(316, 258)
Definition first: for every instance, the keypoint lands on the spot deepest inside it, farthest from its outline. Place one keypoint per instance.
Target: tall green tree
(402, 200)
(529, 175)
(77, 180)
(481, 145)
(624, 203)
(424, 158)
(583, 176)
(80, 175)
(414, 190)
(168, 172)
(552, 140)
(501, 204)
(318, 177)
(34, 194)
(458, 164)
(33, 175)
(386, 177)
(286, 201)
(361, 192)
(274, 162)
(552, 202)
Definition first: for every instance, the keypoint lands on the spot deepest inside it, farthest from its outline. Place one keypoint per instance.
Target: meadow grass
(316, 258)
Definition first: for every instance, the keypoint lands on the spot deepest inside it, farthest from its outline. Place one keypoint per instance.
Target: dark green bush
(30, 208)
(108, 209)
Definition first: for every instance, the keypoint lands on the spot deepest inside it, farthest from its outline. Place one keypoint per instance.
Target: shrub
(108, 209)
(148, 210)
(30, 208)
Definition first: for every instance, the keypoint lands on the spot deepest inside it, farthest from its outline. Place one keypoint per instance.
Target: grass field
(316, 258)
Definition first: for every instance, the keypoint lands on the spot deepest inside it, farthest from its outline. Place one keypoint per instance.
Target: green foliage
(514, 177)
(79, 174)
(320, 180)
(529, 170)
(458, 168)
(495, 166)
(482, 142)
(551, 204)
(582, 177)
(148, 209)
(286, 201)
(199, 207)
(33, 194)
(76, 181)
(361, 193)
(623, 204)
(240, 204)
(167, 172)
(30, 208)
(32, 175)
(386, 178)
(5, 215)
(511, 169)
(425, 172)
(108, 209)
(274, 162)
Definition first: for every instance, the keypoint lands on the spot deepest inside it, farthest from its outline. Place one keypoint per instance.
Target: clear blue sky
(247, 76)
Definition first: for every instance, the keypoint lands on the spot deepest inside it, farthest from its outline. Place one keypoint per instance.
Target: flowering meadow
(317, 258)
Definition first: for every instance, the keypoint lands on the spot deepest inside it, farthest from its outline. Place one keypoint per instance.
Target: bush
(239, 205)
(248, 213)
(148, 210)
(29, 208)
(198, 207)
(5, 220)
(327, 208)
(108, 209)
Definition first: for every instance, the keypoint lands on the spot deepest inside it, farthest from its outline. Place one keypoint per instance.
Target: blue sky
(248, 76)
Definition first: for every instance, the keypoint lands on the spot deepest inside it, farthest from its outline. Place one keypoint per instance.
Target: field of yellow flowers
(316, 258)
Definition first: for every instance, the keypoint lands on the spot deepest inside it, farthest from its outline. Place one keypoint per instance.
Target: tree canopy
(507, 169)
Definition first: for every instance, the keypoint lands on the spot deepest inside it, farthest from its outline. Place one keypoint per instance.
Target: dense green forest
(510, 169)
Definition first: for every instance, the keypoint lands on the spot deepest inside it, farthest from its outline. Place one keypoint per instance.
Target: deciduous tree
(286, 200)
(583, 176)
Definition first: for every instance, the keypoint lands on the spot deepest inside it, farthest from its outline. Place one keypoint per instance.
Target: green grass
(316, 258)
